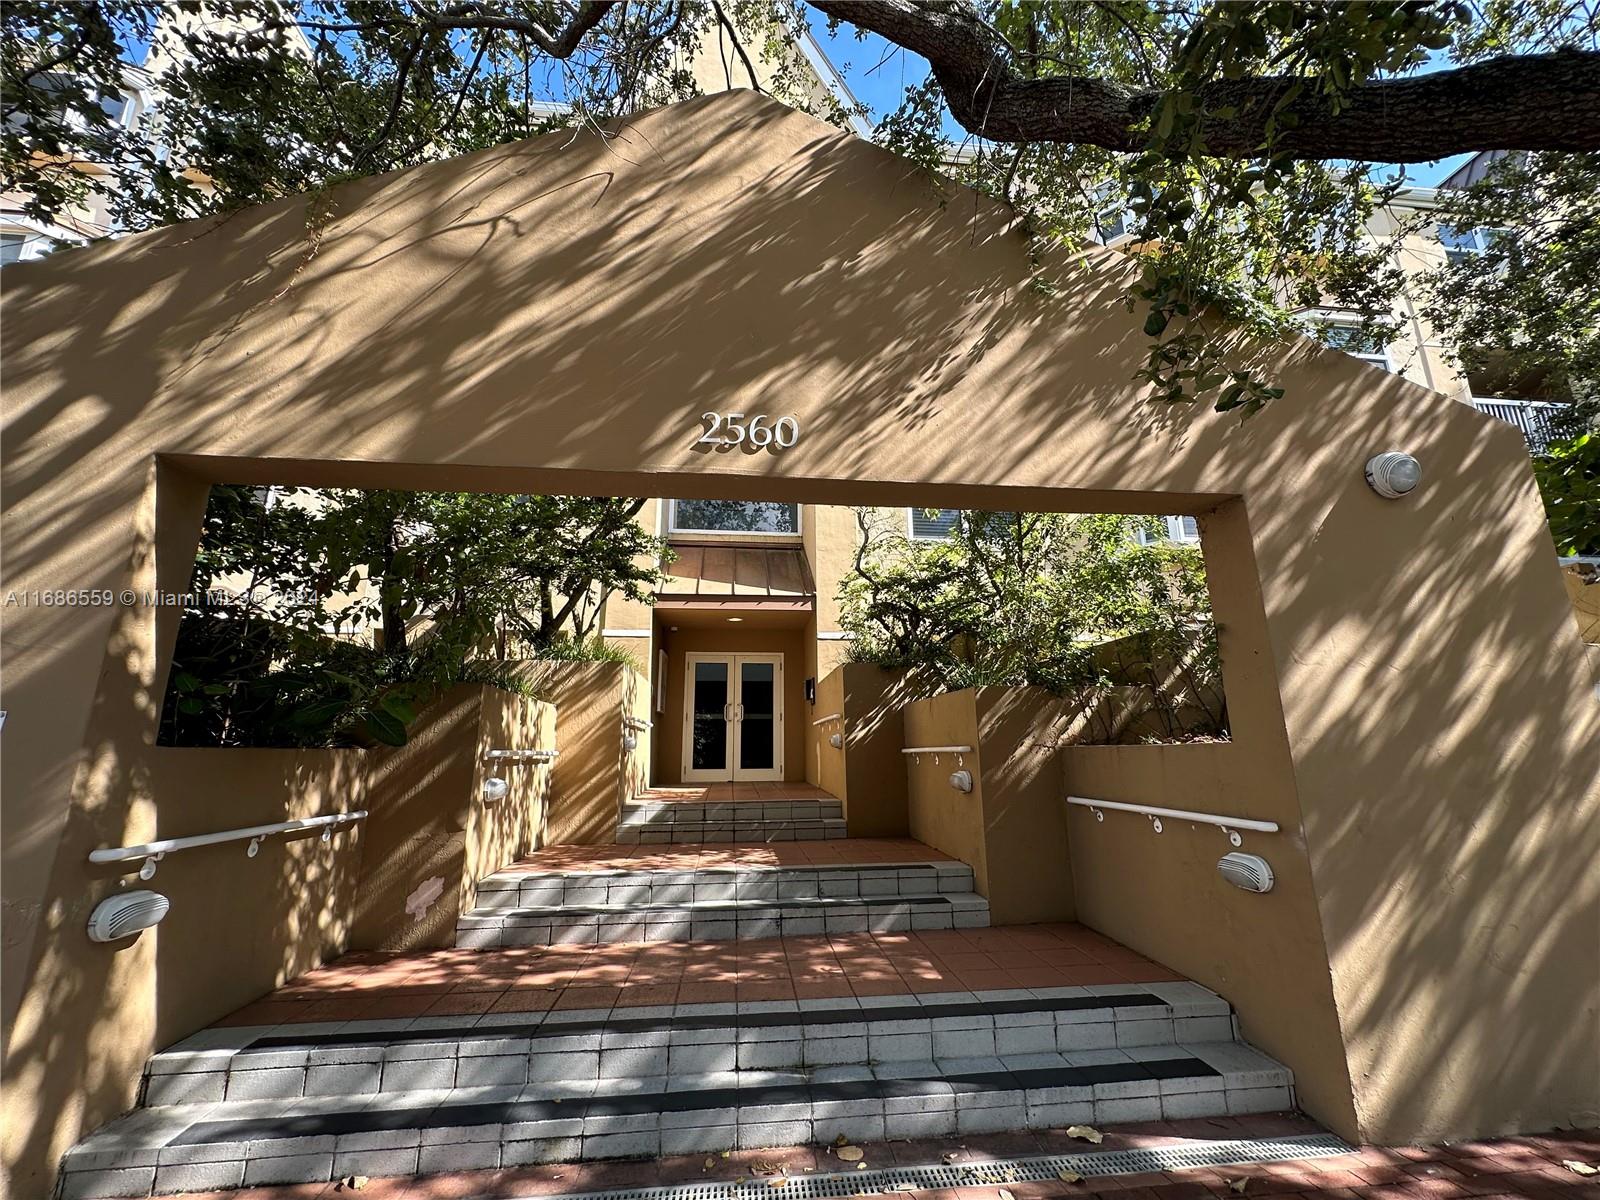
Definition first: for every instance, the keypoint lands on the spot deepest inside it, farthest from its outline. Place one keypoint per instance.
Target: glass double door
(733, 717)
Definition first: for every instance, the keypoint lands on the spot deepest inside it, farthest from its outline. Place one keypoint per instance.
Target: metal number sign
(759, 432)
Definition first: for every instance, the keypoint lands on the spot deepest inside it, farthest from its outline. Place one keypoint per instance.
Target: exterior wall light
(961, 780)
(1249, 872)
(1393, 473)
(125, 914)
(495, 788)
(836, 741)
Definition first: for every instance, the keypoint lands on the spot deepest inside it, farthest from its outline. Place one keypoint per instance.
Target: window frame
(675, 530)
(1373, 358)
(911, 525)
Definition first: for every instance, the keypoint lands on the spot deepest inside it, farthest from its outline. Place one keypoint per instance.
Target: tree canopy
(296, 582)
(1247, 143)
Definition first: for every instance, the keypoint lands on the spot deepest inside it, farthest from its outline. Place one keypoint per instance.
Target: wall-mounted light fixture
(495, 788)
(126, 913)
(1393, 473)
(961, 780)
(836, 740)
(1250, 872)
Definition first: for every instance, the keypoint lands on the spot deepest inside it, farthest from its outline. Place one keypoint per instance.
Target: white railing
(154, 852)
(1530, 416)
(1228, 825)
(829, 717)
(917, 752)
(516, 756)
(638, 723)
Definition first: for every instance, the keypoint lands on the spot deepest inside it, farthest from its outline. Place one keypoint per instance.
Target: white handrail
(637, 723)
(937, 750)
(253, 834)
(521, 755)
(829, 717)
(1228, 825)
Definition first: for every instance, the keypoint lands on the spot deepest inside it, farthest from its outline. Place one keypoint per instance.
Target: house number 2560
(736, 429)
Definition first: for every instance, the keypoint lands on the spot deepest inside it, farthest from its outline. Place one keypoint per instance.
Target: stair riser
(685, 888)
(317, 1159)
(681, 928)
(732, 814)
(479, 1062)
(690, 833)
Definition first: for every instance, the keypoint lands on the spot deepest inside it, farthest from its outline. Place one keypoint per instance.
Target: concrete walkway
(1525, 1168)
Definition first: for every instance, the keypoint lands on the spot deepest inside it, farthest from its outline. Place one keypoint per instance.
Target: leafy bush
(1037, 599)
(335, 617)
(1569, 479)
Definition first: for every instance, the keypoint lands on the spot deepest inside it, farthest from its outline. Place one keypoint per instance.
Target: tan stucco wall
(1010, 828)
(1161, 895)
(938, 815)
(596, 774)
(238, 926)
(1445, 758)
(431, 835)
(825, 762)
(685, 641)
(1585, 597)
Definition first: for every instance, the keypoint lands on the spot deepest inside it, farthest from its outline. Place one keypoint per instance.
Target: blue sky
(879, 73)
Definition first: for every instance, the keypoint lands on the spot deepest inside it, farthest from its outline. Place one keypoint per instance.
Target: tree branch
(1526, 102)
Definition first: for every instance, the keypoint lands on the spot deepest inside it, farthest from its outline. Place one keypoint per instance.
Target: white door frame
(731, 770)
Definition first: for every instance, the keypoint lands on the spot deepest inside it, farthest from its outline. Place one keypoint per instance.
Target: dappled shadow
(554, 316)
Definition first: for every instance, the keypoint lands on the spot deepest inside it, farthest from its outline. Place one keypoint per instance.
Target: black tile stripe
(808, 1017)
(755, 1095)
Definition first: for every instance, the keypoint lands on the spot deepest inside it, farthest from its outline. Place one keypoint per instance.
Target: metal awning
(728, 576)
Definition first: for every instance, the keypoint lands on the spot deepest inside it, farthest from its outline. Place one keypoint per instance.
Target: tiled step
(361, 1057)
(195, 1147)
(741, 821)
(520, 888)
(713, 920)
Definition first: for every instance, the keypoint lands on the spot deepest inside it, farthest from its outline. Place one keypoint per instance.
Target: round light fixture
(735, 620)
(495, 788)
(1393, 473)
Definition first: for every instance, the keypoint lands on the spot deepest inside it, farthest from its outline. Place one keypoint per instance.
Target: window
(1114, 224)
(734, 516)
(932, 524)
(11, 245)
(1356, 342)
(1173, 529)
(1462, 244)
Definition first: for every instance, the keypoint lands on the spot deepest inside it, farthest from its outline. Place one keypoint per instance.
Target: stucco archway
(1404, 676)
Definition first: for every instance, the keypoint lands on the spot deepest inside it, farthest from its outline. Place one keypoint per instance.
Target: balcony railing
(1533, 417)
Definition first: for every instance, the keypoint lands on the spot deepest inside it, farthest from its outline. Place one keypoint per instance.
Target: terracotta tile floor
(373, 985)
(735, 793)
(833, 852)
(1529, 1168)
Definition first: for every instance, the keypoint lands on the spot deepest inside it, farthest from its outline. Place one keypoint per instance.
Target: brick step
(663, 832)
(523, 888)
(716, 920)
(196, 1147)
(364, 1057)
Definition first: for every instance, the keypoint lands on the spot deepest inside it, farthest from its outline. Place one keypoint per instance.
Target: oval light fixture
(1250, 872)
(495, 788)
(1393, 473)
(125, 914)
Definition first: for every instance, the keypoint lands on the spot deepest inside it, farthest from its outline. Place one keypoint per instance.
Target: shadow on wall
(241, 926)
(596, 773)
(1443, 756)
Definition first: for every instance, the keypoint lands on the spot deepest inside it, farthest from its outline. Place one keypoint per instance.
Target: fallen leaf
(1087, 1133)
(354, 1182)
(861, 1166)
(725, 1153)
(1579, 1168)
(1005, 1195)
(841, 1140)
(850, 1153)
(1069, 1177)
(762, 1167)
(950, 1158)
(710, 1162)
(777, 1183)
(1237, 1186)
